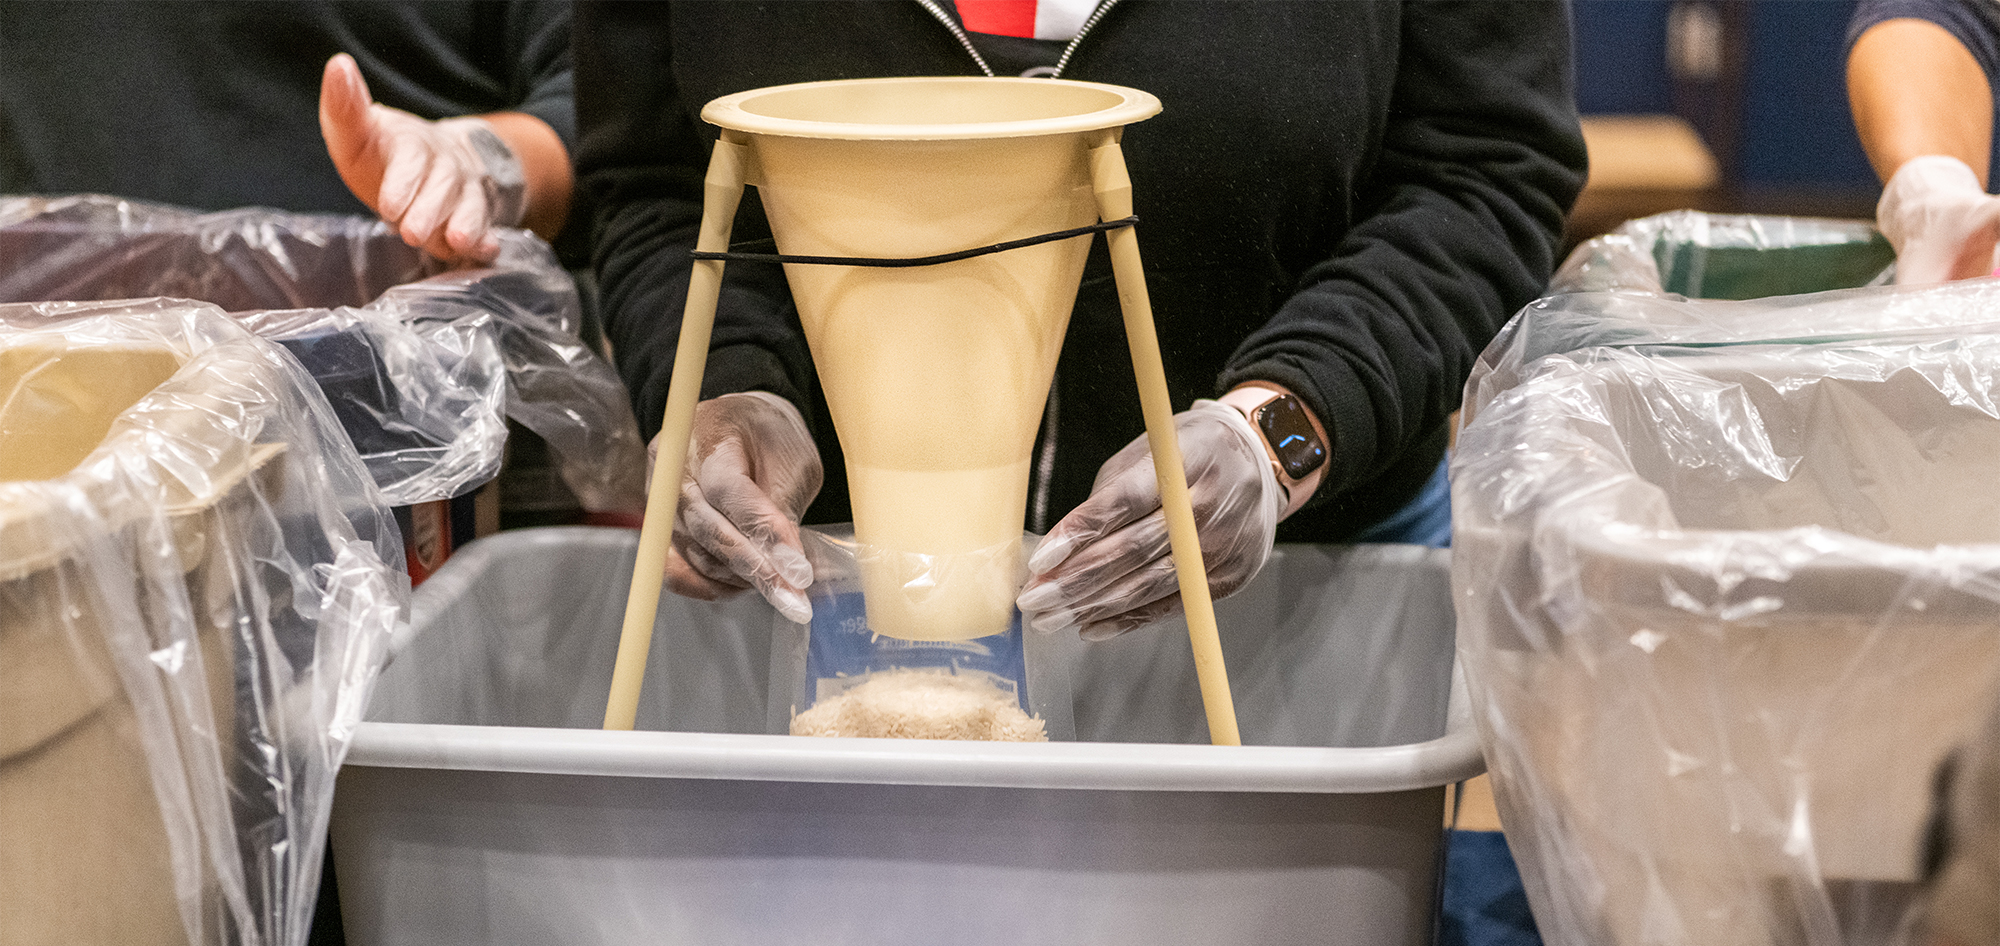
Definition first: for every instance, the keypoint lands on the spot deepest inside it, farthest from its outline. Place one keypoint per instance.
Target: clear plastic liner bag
(1726, 576)
(1647, 322)
(197, 588)
(837, 677)
(1728, 256)
(423, 366)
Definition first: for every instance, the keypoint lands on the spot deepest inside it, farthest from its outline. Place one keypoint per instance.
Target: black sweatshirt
(1346, 198)
(215, 105)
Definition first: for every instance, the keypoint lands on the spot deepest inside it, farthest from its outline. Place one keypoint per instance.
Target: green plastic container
(1728, 256)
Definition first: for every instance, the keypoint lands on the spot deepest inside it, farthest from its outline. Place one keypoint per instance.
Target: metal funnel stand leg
(1114, 201)
(722, 191)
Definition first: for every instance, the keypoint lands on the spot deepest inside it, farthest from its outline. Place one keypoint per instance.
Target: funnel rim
(728, 112)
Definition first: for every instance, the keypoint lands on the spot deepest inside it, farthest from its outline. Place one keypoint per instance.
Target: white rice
(921, 704)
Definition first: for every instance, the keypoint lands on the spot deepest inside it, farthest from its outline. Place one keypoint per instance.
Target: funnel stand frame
(1114, 199)
(722, 191)
(728, 174)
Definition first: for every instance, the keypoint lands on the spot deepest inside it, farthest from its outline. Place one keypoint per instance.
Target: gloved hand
(752, 469)
(1942, 224)
(1107, 565)
(444, 184)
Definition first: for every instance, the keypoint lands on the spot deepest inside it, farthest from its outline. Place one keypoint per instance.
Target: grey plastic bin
(480, 804)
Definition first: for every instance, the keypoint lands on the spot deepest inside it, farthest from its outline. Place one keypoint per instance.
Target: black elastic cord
(918, 260)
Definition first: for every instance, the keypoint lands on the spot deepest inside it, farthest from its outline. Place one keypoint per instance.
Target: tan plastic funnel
(936, 375)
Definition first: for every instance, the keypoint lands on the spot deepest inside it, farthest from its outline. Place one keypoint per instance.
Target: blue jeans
(1484, 903)
(1425, 520)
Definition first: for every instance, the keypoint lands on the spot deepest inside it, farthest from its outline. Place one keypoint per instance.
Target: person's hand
(445, 185)
(1107, 566)
(752, 469)
(1942, 224)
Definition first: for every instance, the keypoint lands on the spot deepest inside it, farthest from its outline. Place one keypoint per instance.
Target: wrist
(506, 182)
(1923, 184)
(545, 169)
(776, 403)
(1295, 443)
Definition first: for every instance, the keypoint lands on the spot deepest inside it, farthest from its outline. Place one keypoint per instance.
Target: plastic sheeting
(196, 593)
(1728, 256)
(422, 366)
(1727, 575)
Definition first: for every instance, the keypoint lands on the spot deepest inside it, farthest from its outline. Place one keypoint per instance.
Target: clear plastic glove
(444, 184)
(1942, 224)
(1107, 566)
(752, 469)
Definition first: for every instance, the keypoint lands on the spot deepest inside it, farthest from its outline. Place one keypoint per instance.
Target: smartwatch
(1298, 455)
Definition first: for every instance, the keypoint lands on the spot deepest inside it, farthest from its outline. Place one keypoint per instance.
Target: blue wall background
(1795, 131)
(1621, 56)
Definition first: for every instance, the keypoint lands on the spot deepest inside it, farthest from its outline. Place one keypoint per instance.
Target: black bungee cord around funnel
(1102, 227)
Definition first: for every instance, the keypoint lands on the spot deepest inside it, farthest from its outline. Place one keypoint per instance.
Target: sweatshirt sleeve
(541, 75)
(1457, 226)
(1974, 23)
(642, 155)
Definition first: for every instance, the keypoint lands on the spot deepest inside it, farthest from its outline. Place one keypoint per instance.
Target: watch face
(1291, 436)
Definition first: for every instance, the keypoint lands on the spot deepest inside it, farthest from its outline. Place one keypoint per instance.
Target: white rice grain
(921, 704)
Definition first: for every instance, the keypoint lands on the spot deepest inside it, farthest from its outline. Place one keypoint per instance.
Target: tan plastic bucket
(936, 375)
(84, 850)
